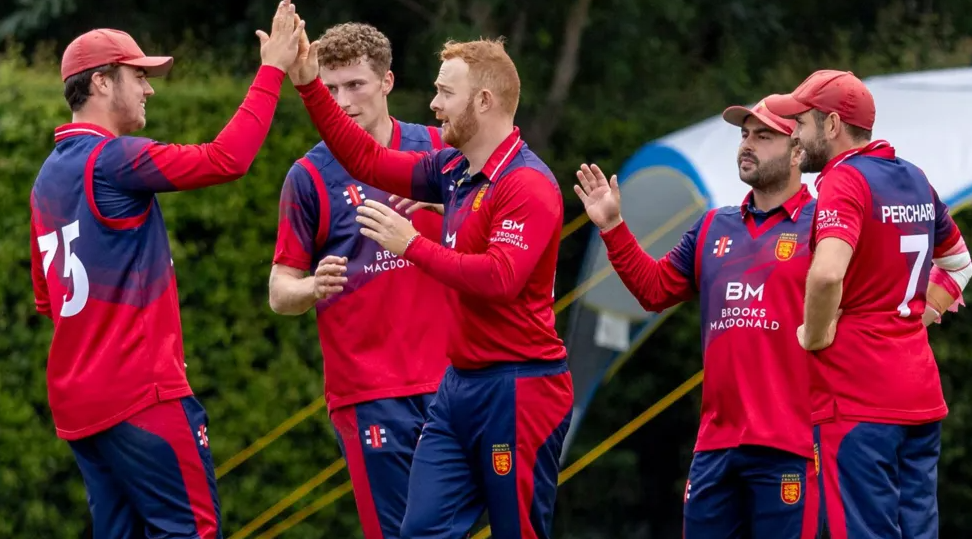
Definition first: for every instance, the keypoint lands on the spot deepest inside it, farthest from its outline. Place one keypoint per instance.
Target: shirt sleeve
(840, 206)
(42, 300)
(413, 175)
(656, 284)
(140, 165)
(527, 212)
(298, 221)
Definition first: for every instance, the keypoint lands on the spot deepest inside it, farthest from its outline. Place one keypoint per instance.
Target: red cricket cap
(106, 46)
(736, 115)
(829, 91)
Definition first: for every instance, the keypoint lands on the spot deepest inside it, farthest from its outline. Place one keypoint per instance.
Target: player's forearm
(357, 151)
(484, 275)
(822, 301)
(291, 296)
(641, 274)
(229, 156)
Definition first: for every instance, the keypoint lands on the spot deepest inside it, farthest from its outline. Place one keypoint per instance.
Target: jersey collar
(793, 205)
(67, 131)
(396, 138)
(502, 155)
(881, 148)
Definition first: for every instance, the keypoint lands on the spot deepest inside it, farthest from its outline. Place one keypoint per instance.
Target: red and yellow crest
(790, 489)
(786, 246)
(478, 201)
(502, 459)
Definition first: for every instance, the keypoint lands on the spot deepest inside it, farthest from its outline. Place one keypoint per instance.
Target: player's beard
(462, 129)
(768, 176)
(814, 155)
(127, 115)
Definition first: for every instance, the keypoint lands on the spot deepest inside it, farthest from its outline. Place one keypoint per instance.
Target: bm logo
(740, 291)
(509, 224)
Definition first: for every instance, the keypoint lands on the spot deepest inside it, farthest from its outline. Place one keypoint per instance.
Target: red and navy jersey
(499, 245)
(880, 367)
(381, 337)
(749, 269)
(101, 264)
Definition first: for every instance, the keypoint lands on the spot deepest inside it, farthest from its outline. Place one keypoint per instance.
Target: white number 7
(916, 243)
(73, 268)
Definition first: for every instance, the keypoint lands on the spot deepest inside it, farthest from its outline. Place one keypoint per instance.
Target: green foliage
(250, 367)
(645, 68)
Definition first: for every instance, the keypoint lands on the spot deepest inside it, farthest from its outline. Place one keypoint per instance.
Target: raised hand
(601, 198)
(280, 48)
(305, 67)
(411, 206)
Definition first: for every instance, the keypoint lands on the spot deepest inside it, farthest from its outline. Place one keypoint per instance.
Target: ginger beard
(459, 131)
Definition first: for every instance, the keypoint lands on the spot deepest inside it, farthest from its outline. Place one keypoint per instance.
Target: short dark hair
(857, 133)
(77, 87)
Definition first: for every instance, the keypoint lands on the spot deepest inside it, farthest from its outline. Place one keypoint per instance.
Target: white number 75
(73, 268)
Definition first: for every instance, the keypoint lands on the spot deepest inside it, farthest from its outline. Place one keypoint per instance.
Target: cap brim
(154, 66)
(785, 106)
(736, 115)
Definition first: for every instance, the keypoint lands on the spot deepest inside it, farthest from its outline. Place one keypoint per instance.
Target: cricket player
(379, 323)
(497, 424)
(753, 473)
(103, 272)
(876, 392)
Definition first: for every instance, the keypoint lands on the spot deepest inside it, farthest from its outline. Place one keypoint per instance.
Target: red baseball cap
(829, 91)
(736, 115)
(106, 46)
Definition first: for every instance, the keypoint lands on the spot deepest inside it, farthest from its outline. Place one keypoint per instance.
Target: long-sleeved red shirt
(500, 240)
(101, 263)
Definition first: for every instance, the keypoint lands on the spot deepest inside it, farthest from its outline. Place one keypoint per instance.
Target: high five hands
(280, 48)
(287, 47)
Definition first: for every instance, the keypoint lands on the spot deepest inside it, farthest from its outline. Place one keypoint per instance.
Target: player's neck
(479, 148)
(768, 200)
(99, 118)
(383, 130)
(845, 144)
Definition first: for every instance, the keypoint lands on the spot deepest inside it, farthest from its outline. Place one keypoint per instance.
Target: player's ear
(387, 83)
(832, 125)
(486, 100)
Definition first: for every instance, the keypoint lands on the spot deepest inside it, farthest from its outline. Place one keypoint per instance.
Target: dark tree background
(599, 80)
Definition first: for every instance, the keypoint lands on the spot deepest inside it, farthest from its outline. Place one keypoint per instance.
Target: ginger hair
(490, 67)
(348, 43)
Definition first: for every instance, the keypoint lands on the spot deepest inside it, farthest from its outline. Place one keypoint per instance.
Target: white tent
(926, 116)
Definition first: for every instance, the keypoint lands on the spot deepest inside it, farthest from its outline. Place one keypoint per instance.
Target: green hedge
(250, 367)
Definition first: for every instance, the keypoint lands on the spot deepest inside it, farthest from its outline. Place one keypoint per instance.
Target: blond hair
(345, 44)
(490, 67)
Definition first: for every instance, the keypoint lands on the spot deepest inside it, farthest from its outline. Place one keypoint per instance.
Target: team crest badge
(786, 246)
(478, 201)
(790, 489)
(502, 459)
